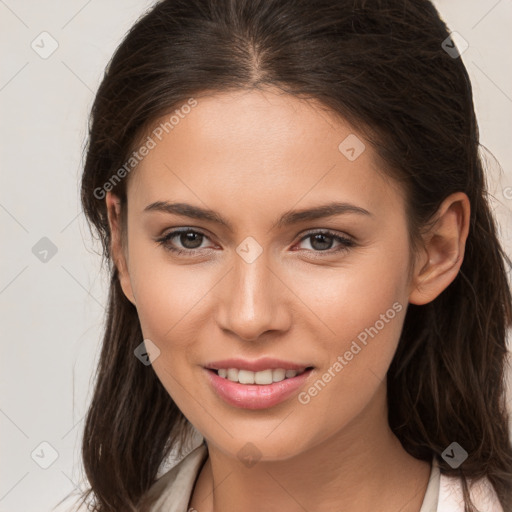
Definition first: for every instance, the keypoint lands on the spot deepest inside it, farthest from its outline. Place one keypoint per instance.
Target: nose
(253, 300)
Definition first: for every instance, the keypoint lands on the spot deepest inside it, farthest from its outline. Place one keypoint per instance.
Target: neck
(357, 467)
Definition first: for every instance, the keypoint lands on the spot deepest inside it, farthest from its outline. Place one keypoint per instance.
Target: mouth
(262, 378)
(262, 389)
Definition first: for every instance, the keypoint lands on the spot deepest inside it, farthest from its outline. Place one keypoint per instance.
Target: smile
(256, 390)
(262, 377)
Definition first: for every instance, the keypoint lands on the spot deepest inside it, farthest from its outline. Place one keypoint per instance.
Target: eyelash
(346, 243)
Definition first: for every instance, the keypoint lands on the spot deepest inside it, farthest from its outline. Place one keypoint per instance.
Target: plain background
(52, 311)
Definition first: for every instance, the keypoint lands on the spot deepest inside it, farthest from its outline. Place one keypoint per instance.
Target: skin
(251, 157)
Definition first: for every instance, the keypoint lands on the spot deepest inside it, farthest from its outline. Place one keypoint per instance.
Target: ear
(443, 250)
(117, 247)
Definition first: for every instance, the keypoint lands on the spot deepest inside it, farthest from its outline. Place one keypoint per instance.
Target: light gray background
(52, 312)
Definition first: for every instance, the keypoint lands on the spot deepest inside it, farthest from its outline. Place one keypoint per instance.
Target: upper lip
(257, 365)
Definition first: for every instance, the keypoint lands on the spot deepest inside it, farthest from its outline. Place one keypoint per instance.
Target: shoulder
(172, 491)
(482, 494)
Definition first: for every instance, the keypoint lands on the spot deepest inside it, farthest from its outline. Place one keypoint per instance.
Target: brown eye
(191, 239)
(183, 241)
(322, 241)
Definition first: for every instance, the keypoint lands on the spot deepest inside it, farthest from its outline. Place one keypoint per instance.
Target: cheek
(348, 299)
(362, 307)
(167, 294)
(170, 302)
(166, 302)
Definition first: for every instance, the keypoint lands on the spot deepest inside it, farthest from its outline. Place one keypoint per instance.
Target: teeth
(263, 377)
(278, 374)
(245, 377)
(233, 374)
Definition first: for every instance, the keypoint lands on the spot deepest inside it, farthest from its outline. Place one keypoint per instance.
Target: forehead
(256, 148)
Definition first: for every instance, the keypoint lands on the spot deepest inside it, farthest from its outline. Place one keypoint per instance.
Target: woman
(304, 266)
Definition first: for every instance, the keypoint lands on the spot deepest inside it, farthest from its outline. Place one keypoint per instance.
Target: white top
(173, 489)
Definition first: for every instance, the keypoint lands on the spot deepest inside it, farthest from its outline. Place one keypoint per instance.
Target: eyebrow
(287, 219)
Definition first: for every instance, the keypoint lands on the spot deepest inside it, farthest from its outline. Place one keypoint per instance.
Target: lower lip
(256, 396)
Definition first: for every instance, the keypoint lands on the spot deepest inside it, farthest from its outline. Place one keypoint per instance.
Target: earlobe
(444, 246)
(117, 248)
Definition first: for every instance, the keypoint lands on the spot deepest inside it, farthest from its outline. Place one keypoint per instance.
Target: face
(327, 292)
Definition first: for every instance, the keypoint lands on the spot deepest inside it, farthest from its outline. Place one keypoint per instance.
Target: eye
(190, 239)
(322, 241)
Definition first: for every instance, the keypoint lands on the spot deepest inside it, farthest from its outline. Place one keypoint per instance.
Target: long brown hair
(381, 65)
